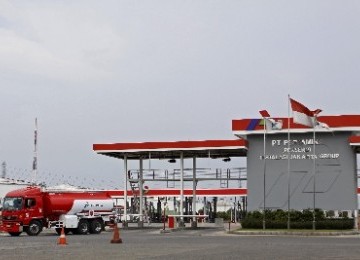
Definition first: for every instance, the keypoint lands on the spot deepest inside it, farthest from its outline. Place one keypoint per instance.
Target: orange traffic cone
(116, 238)
(62, 238)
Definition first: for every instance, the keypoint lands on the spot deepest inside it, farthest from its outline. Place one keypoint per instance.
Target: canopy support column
(181, 188)
(194, 223)
(125, 224)
(141, 191)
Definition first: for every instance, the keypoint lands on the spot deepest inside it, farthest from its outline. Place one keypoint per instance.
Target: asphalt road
(185, 244)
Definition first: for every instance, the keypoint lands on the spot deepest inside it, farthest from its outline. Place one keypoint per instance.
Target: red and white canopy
(169, 150)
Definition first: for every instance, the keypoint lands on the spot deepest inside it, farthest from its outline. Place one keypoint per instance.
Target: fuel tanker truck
(33, 208)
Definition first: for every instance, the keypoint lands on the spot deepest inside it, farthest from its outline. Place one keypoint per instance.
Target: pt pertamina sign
(335, 171)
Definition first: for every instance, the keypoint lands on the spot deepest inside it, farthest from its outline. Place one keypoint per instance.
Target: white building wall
(7, 185)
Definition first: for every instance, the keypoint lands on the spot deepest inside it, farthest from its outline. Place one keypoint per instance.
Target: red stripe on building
(187, 192)
(342, 121)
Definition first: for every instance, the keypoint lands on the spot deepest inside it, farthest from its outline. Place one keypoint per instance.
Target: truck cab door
(30, 207)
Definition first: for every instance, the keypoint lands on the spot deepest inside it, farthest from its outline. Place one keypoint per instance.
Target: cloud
(56, 43)
(163, 70)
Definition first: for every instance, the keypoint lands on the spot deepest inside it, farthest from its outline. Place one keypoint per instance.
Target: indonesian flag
(302, 115)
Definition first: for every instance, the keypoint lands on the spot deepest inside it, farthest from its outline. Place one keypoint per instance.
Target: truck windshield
(12, 203)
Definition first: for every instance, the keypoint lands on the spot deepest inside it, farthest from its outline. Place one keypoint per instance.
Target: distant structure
(34, 168)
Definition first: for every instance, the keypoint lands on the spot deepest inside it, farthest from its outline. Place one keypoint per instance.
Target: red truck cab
(23, 211)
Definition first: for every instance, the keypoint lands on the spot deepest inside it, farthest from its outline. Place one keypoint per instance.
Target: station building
(288, 167)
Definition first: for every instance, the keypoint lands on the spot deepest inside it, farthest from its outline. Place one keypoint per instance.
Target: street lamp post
(264, 176)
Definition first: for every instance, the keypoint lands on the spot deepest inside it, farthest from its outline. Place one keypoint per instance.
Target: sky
(135, 71)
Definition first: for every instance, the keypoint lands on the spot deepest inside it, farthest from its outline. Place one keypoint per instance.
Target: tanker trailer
(31, 209)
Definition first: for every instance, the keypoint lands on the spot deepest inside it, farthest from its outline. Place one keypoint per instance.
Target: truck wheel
(83, 227)
(15, 234)
(34, 228)
(95, 226)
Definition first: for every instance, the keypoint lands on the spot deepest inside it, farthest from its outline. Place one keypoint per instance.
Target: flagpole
(308, 118)
(314, 181)
(288, 162)
(264, 157)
